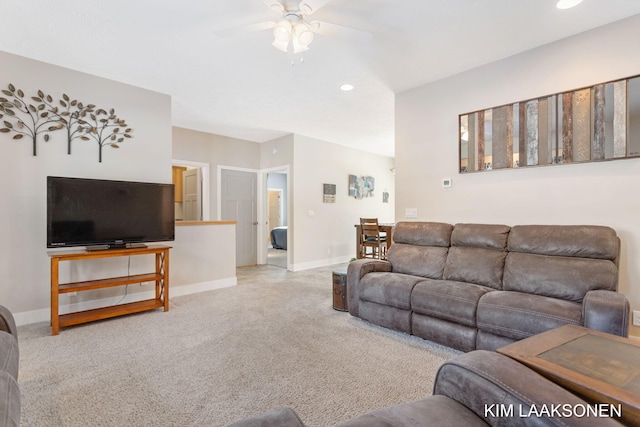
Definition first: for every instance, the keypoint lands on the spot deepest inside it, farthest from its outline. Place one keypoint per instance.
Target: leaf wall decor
(29, 119)
(43, 115)
(104, 128)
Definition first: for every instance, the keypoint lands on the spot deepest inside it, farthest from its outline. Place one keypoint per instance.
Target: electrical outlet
(636, 317)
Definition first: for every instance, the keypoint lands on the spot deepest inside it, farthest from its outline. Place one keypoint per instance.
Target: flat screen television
(103, 214)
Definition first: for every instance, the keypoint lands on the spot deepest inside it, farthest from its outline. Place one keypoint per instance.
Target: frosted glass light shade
(567, 4)
(303, 34)
(282, 31)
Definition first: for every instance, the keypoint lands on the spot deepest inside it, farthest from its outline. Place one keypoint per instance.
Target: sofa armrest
(500, 390)
(606, 311)
(355, 271)
(10, 405)
(9, 355)
(7, 322)
(283, 417)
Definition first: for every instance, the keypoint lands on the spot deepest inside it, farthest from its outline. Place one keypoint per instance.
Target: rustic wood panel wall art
(595, 123)
(30, 117)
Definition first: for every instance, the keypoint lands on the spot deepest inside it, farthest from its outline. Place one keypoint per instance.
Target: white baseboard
(319, 263)
(44, 315)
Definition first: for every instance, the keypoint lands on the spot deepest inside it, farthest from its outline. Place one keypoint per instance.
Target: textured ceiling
(240, 86)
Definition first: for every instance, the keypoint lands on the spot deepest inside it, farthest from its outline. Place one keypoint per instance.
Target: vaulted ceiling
(241, 86)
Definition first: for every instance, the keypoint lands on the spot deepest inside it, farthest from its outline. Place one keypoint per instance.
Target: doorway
(277, 220)
(192, 194)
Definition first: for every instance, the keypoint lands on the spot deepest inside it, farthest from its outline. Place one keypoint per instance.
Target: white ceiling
(242, 87)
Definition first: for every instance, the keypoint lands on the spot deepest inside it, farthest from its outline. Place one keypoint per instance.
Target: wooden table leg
(166, 280)
(54, 296)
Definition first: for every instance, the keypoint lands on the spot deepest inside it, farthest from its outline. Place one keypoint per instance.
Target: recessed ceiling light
(567, 4)
(346, 87)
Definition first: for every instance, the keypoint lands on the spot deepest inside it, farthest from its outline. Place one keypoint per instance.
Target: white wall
(215, 150)
(595, 193)
(324, 232)
(203, 258)
(146, 157)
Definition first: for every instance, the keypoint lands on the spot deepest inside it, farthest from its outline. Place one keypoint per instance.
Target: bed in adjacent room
(279, 237)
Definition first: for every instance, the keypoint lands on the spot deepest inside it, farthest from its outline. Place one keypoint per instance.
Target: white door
(191, 190)
(239, 203)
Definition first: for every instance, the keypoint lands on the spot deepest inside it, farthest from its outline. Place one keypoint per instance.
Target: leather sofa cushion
(584, 241)
(282, 417)
(388, 289)
(518, 315)
(558, 277)
(475, 265)
(448, 300)
(488, 236)
(423, 233)
(386, 316)
(451, 334)
(432, 411)
(425, 261)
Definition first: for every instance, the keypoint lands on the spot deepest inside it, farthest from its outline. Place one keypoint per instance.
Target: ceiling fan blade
(311, 6)
(341, 32)
(275, 5)
(230, 32)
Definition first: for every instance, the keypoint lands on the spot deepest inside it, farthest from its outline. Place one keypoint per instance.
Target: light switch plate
(411, 213)
(636, 317)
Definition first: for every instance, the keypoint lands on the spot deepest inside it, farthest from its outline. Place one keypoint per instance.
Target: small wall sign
(329, 193)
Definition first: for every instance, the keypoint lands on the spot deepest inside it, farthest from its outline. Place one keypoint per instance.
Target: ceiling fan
(294, 32)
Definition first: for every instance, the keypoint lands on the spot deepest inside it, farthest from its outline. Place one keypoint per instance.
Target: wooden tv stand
(160, 276)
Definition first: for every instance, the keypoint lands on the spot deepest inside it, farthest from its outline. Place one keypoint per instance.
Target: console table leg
(54, 296)
(165, 280)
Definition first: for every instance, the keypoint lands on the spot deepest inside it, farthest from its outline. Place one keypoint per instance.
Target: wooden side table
(340, 290)
(599, 367)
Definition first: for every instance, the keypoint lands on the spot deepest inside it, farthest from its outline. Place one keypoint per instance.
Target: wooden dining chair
(372, 243)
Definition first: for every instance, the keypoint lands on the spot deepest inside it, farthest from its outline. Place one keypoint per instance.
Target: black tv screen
(108, 214)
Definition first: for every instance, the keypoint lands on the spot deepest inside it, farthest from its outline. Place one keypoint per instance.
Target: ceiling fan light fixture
(297, 46)
(282, 31)
(303, 34)
(283, 46)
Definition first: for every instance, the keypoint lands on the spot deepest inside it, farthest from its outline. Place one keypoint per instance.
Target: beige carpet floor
(220, 356)
(277, 257)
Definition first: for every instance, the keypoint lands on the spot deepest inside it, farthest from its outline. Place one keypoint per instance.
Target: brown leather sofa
(482, 286)
(479, 388)
(9, 358)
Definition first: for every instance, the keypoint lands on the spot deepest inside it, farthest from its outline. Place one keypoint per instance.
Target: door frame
(206, 191)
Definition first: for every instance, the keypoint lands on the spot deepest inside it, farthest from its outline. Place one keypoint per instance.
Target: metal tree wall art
(104, 128)
(33, 119)
(81, 121)
(69, 116)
